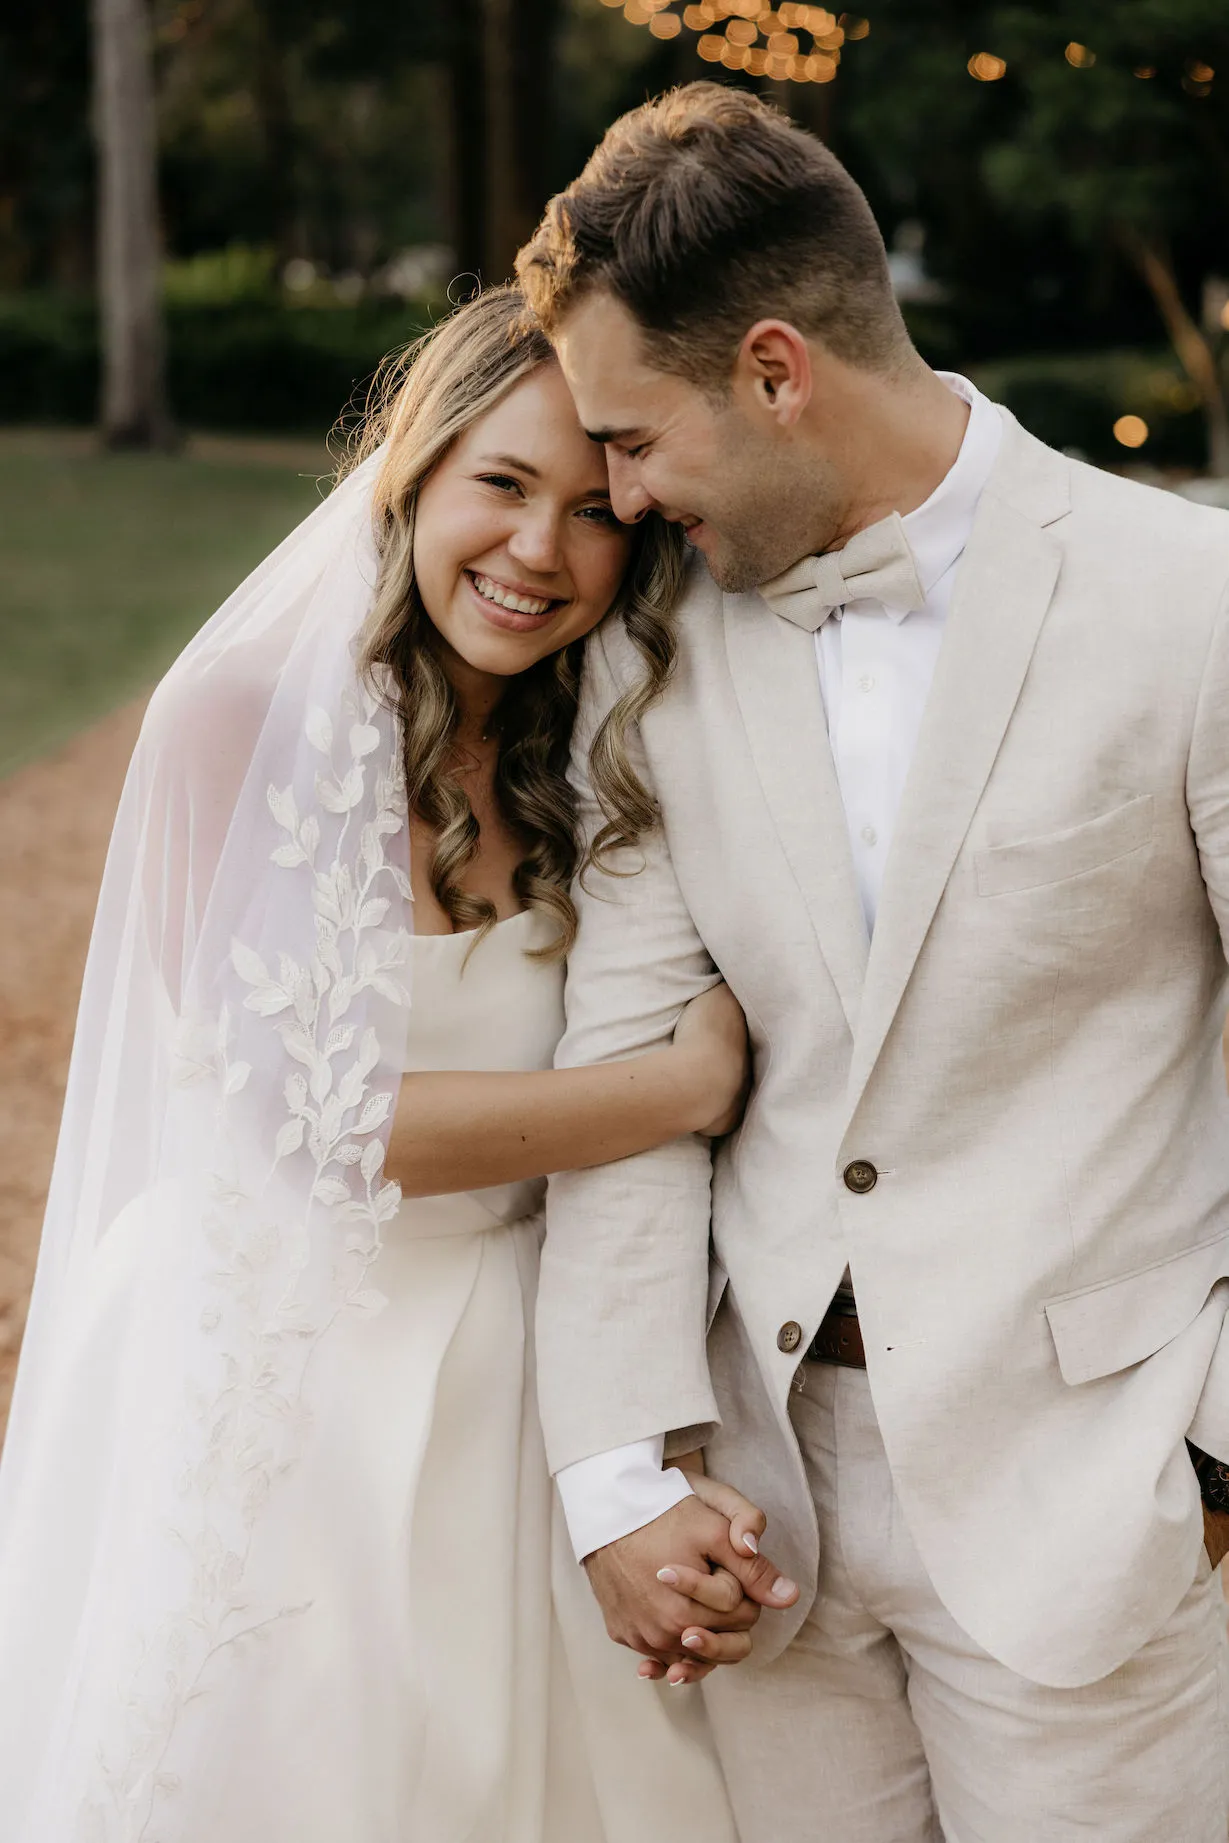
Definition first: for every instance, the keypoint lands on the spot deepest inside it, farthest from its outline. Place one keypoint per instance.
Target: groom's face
(711, 463)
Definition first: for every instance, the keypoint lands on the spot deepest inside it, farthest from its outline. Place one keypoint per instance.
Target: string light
(986, 67)
(1131, 431)
(754, 36)
(1079, 56)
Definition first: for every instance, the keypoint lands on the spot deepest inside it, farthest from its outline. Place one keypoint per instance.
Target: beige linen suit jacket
(1029, 1053)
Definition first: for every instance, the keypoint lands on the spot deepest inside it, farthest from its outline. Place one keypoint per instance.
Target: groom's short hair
(705, 211)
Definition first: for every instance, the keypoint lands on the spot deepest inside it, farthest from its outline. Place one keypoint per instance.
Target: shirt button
(869, 835)
(866, 682)
(860, 1176)
(789, 1336)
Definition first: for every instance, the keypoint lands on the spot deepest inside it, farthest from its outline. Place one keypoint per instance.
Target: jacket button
(860, 1177)
(789, 1336)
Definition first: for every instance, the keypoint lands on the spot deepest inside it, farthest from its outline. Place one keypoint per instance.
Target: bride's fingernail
(784, 1589)
(694, 1642)
(667, 1577)
(749, 1542)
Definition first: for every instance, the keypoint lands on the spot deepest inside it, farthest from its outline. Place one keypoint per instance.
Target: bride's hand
(718, 1589)
(711, 1041)
(747, 1520)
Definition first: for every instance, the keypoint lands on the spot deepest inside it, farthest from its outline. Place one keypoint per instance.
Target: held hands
(687, 1588)
(710, 1046)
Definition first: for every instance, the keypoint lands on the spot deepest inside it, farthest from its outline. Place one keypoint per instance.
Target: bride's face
(516, 550)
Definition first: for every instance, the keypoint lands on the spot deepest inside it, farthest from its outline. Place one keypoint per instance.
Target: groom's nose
(628, 497)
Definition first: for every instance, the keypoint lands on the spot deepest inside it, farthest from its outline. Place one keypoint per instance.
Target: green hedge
(1074, 401)
(262, 365)
(253, 365)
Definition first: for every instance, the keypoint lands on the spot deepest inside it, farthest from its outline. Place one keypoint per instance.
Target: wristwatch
(1213, 1479)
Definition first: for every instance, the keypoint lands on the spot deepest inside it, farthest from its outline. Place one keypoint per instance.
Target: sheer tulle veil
(218, 1196)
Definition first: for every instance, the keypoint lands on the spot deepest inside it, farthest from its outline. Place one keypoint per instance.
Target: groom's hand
(680, 1593)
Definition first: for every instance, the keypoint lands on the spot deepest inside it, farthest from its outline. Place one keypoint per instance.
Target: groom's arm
(622, 1310)
(621, 1314)
(1207, 793)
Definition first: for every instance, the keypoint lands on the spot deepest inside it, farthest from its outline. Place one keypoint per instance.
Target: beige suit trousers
(884, 1723)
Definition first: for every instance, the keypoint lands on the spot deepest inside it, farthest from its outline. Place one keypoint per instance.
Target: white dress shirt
(876, 665)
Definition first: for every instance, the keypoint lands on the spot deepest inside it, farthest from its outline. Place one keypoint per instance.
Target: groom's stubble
(692, 452)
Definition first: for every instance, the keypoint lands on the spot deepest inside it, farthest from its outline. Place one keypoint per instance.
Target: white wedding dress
(431, 1688)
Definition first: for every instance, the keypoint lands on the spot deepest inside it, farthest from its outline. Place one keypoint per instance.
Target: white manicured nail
(749, 1542)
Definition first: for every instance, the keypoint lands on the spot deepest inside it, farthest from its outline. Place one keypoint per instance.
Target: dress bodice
(482, 1006)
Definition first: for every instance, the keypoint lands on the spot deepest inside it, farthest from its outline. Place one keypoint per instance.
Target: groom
(943, 777)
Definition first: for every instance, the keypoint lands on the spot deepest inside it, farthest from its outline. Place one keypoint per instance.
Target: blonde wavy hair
(421, 402)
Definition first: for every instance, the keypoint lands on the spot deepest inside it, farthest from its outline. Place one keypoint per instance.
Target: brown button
(860, 1177)
(789, 1336)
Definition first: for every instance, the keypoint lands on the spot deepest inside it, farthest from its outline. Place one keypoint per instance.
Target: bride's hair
(422, 401)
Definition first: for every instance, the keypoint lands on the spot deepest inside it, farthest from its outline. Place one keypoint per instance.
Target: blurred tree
(46, 153)
(1125, 133)
(521, 47)
(134, 412)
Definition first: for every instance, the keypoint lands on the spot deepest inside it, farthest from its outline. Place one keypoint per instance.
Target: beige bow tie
(876, 564)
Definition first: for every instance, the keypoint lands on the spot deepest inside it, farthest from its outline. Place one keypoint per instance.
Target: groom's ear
(773, 369)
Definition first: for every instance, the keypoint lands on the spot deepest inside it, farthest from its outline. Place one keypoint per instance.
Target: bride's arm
(462, 1131)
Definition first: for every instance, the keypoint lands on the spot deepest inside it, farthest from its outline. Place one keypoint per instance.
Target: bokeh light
(986, 67)
(1131, 431)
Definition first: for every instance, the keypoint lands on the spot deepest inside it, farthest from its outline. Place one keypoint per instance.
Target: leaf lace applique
(290, 1255)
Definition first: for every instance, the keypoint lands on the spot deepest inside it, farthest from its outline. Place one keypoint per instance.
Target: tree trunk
(467, 100)
(520, 50)
(271, 97)
(1189, 342)
(134, 412)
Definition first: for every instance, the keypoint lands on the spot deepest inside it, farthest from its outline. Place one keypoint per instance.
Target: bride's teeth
(504, 598)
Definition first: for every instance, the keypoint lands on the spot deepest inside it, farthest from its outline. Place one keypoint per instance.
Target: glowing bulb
(986, 67)
(1131, 431)
(1079, 56)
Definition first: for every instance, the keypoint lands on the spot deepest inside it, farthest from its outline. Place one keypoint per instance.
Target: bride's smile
(517, 552)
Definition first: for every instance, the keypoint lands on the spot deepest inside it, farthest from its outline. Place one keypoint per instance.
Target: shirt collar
(940, 528)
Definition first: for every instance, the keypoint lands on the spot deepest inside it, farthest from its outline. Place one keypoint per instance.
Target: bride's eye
(504, 482)
(600, 515)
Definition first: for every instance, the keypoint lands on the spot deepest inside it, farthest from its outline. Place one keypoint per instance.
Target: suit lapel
(776, 680)
(1002, 594)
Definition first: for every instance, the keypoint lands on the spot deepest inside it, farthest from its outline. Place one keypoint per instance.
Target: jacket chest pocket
(1059, 857)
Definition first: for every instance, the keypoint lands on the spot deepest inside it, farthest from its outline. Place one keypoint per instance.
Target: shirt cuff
(614, 1493)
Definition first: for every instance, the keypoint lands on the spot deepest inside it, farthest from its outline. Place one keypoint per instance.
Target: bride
(276, 1537)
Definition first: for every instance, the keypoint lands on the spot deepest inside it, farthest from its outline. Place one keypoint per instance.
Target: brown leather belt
(838, 1340)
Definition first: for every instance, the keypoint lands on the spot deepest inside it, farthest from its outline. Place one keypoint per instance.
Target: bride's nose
(535, 542)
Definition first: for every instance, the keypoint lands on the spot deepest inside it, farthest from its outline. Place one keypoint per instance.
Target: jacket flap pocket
(1109, 1326)
(1034, 862)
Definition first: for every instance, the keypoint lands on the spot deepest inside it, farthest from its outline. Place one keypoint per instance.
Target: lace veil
(218, 1193)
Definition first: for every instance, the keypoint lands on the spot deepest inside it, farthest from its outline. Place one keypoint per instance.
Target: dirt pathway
(55, 819)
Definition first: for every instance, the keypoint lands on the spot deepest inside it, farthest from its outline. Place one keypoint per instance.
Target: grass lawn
(109, 563)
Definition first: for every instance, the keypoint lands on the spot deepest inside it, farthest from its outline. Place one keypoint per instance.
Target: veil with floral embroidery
(218, 1193)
